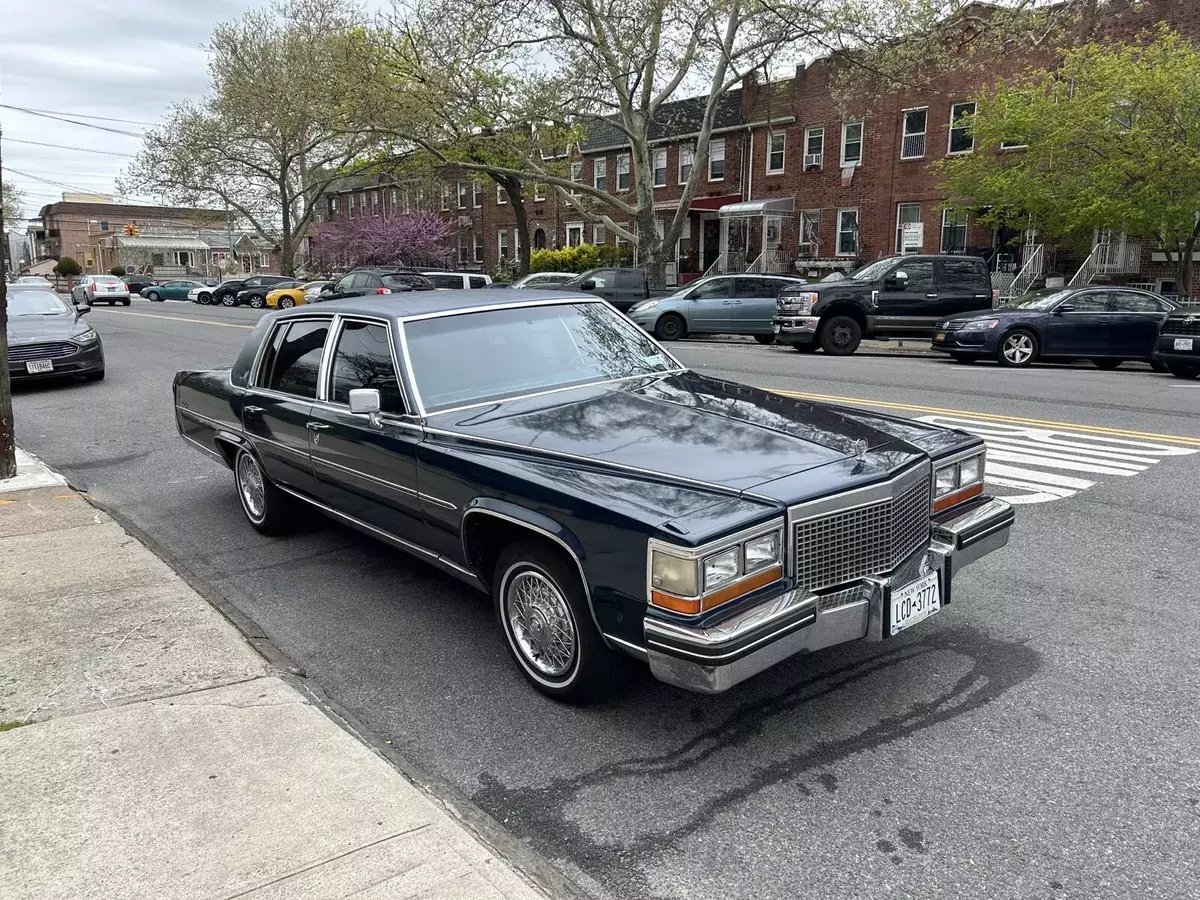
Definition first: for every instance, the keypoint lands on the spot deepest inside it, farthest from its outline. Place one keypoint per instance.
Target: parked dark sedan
(256, 296)
(546, 450)
(48, 338)
(1108, 325)
(1178, 344)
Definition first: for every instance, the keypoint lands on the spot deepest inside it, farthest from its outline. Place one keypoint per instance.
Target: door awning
(776, 206)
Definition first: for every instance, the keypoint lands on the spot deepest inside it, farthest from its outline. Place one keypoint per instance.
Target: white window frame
(539, 192)
(445, 197)
(183, 258)
(395, 198)
(600, 173)
(460, 194)
(899, 223)
(577, 228)
(374, 203)
(461, 255)
(951, 129)
(623, 171)
(688, 151)
(660, 154)
(838, 247)
(477, 242)
(862, 131)
(476, 195)
(501, 245)
(904, 133)
(264, 260)
(966, 221)
(712, 158)
(1013, 145)
(810, 132)
(576, 175)
(771, 151)
(806, 214)
(501, 195)
(599, 234)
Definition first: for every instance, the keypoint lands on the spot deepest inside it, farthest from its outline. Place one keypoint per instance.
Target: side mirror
(82, 310)
(327, 289)
(898, 280)
(1064, 308)
(366, 402)
(588, 285)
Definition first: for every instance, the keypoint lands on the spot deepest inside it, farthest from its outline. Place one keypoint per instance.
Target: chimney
(749, 94)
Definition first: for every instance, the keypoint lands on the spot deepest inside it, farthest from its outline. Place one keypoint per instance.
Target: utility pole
(8, 440)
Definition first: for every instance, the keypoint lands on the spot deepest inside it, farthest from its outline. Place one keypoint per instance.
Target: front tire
(1184, 370)
(152, 297)
(228, 300)
(94, 376)
(840, 336)
(286, 302)
(1018, 349)
(257, 302)
(1107, 364)
(547, 625)
(204, 299)
(267, 508)
(670, 327)
(962, 358)
(765, 338)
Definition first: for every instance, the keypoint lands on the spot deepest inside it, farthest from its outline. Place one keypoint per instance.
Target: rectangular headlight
(760, 552)
(958, 482)
(673, 574)
(722, 568)
(945, 480)
(970, 470)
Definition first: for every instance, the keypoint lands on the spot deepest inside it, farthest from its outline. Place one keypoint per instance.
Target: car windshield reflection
(1044, 299)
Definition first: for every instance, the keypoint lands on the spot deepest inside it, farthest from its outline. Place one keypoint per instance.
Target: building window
(716, 160)
(776, 141)
(462, 249)
(598, 235)
(954, 230)
(181, 258)
(103, 225)
(660, 168)
(502, 245)
(576, 175)
(333, 207)
(574, 234)
(539, 192)
(847, 239)
(961, 140)
(445, 196)
(395, 198)
(461, 190)
(906, 213)
(476, 194)
(814, 147)
(912, 145)
(478, 240)
(501, 196)
(687, 157)
(852, 143)
(622, 171)
(810, 224)
(600, 174)
(264, 260)
(374, 203)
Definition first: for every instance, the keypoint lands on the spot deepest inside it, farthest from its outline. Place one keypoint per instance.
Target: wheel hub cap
(250, 482)
(1018, 348)
(541, 623)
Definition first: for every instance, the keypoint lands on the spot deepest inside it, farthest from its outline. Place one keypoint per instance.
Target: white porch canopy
(161, 242)
(752, 209)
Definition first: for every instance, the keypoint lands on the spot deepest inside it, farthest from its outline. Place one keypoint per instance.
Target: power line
(69, 187)
(65, 147)
(71, 121)
(62, 112)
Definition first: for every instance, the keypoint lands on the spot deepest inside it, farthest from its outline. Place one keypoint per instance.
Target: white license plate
(1183, 343)
(915, 602)
(35, 366)
(776, 328)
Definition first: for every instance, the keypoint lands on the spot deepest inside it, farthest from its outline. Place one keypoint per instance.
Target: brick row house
(793, 184)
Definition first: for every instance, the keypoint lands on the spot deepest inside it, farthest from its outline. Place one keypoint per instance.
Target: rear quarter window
(965, 271)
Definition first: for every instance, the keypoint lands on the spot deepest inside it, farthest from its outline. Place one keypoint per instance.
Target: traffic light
(131, 230)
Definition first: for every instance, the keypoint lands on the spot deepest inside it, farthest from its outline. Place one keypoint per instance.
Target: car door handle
(316, 426)
(253, 410)
(737, 302)
(931, 296)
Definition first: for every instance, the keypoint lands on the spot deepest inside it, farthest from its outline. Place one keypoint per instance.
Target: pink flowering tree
(409, 239)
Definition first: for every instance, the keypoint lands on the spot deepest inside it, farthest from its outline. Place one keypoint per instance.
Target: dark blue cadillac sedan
(1108, 325)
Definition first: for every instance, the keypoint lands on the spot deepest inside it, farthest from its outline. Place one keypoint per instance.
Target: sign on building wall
(912, 236)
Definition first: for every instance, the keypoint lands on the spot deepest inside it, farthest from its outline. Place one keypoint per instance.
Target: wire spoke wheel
(541, 623)
(252, 487)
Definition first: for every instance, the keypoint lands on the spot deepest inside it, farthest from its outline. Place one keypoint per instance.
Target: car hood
(684, 427)
(25, 329)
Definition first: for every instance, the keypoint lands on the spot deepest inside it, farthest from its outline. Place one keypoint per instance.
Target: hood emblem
(859, 448)
(1190, 319)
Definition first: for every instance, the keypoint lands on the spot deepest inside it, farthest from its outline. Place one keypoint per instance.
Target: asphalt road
(1038, 739)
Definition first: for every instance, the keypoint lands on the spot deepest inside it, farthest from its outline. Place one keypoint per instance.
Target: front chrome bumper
(714, 659)
(790, 328)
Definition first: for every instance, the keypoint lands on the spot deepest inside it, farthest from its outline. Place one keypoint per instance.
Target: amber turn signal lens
(957, 497)
(690, 606)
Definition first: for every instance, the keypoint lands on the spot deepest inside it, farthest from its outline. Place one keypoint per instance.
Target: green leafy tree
(1111, 139)
(119, 271)
(276, 127)
(67, 268)
(12, 203)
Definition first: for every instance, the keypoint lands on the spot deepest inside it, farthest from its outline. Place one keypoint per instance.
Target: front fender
(517, 514)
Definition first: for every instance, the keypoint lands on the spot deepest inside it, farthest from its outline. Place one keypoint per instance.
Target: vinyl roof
(408, 304)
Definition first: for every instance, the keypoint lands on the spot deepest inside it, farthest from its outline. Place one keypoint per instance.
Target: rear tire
(670, 327)
(268, 509)
(1159, 367)
(840, 336)
(1018, 348)
(765, 338)
(543, 611)
(1184, 370)
(126, 302)
(204, 299)
(228, 300)
(286, 302)
(257, 302)
(1107, 364)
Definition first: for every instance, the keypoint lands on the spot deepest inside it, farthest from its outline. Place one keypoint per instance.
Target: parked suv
(722, 304)
(898, 297)
(457, 281)
(621, 287)
(360, 282)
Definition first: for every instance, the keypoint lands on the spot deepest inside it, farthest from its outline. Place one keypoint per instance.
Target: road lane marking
(1027, 462)
(178, 319)
(988, 417)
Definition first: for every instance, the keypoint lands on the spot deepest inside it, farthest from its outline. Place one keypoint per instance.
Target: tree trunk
(512, 186)
(8, 447)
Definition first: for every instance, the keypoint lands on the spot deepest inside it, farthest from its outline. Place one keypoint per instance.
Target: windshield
(489, 356)
(1038, 299)
(32, 279)
(874, 271)
(106, 279)
(35, 303)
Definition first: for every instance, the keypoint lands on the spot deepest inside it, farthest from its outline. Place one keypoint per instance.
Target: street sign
(912, 236)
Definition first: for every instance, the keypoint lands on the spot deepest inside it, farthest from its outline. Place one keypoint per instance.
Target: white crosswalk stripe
(1026, 464)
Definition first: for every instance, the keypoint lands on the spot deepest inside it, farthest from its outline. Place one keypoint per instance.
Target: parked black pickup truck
(545, 450)
(623, 287)
(898, 297)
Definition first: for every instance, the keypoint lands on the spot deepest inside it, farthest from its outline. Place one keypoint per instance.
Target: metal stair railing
(1030, 271)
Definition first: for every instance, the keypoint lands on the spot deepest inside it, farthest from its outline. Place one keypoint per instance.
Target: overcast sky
(123, 59)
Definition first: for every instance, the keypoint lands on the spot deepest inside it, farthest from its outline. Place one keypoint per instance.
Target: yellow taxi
(287, 297)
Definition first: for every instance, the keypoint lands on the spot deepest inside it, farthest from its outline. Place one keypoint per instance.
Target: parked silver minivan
(719, 304)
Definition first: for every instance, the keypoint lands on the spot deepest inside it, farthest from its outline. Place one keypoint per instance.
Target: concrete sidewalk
(146, 751)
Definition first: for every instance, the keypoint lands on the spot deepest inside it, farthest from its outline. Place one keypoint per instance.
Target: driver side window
(716, 289)
(920, 274)
(1095, 301)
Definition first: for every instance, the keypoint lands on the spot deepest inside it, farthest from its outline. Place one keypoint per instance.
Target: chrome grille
(1182, 326)
(845, 546)
(952, 325)
(47, 350)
